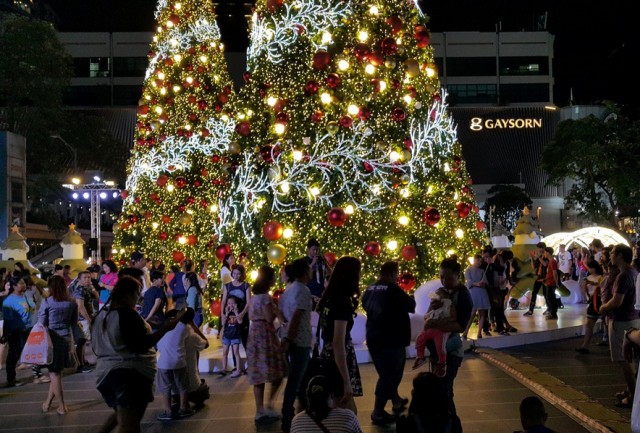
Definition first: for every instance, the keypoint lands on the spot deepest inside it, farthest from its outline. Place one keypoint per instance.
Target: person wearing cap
(139, 261)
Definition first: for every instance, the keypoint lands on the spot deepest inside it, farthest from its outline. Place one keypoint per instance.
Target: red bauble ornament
(243, 128)
(481, 226)
(133, 219)
(312, 87)
(407, 282)
(321, 60)
(431, 216)
(376, 59)
(317, 116)
(361, 51)
(395, 23)
(330, 258)
(282, 117)
(222, 250)
(147, 215)
(364, 114)
(124, 193)
(389, 46)
(143, 110)
(162, 180)
(163, 236)
(191, 199)
(180, 182)
(177, 256)
(272, 5)
(246, 76)
(268, 152)
(346, 121)
(337, 217)
(192, 239)
(372, 248)
(166, 219)
(398, 114)
(154, 196)
(216, 307)
(409, 252)
(422, 37)
(367, 167)
(463, 209)
(333, 80)
(272, 230)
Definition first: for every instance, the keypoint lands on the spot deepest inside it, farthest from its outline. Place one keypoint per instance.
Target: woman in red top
(550, 284)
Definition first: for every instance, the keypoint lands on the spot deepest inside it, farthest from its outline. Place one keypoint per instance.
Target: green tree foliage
(601, 158)
(507, 202)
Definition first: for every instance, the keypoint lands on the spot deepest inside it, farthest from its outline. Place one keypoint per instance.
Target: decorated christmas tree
(177, 167)
(343, 135)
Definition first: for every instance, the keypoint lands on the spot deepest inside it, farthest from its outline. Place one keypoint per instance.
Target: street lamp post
(72, 149)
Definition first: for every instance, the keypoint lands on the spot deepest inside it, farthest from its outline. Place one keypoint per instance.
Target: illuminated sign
(478, 123)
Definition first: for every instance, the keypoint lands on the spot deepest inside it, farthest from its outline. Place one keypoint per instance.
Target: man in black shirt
(388, 335)
(539, 265)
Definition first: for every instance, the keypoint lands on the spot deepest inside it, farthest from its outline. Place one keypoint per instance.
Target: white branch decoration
(274, 34)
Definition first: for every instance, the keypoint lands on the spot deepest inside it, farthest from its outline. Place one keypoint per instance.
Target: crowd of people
(129, 315)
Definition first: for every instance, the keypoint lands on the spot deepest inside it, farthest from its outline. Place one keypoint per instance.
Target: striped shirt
(338, 421)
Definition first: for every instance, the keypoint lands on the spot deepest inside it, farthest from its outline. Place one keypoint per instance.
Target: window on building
(526, 92)
(472, 94)
(524, 66)
(129, 66)
(91, 67)
(471, 66)
(127, 95)
(17, 189)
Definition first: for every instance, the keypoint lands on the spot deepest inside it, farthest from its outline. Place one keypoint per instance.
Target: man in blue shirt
(16, 310)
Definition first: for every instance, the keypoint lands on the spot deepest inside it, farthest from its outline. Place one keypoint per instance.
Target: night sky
(595, 41)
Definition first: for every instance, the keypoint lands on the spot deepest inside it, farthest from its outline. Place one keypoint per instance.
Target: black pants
(497, 311)
(16, 341)
(534, 294)
(550, 297)
(389, 364)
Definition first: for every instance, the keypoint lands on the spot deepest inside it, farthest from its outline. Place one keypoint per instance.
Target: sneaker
(419, 363)
(528, 313)
(272, 413)
(552, 317)
(512, 329)
(165, 416)
(505, 333)
(84, 368)
(235, 374)
(262, 418)
(546, 313)
(384, 419)
(400, 405)
(441, 369)
(184, 413)
(14, 384)
(41, 379)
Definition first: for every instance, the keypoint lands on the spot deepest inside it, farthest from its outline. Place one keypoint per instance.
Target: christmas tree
(177, 167)
(343, 135)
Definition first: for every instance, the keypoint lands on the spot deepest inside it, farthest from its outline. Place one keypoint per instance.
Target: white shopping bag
(39, 348)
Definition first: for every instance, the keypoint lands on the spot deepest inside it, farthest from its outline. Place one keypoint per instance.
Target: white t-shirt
(297, 296)
(338, 421)
(193, 344)
(172, 348)
(637, 305)
(564, 262)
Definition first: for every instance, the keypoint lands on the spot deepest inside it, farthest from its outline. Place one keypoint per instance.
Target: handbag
(39, 348)
(319, 365)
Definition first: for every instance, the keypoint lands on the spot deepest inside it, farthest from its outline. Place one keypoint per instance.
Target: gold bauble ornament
(413, 67)
(234, 148)
(332, 127)
(185, 219)
(276, 254)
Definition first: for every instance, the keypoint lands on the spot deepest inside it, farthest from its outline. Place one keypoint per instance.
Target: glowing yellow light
(370, 69)
(287, 233)
(121, 250)
(383, 86)
(343, 65)
(75, 181)
(249, 113)
(447, 168)
(189, 80)
(178, 5)
(225, 118)
(455, 196)
(404, 192)
(459, 233)
(431, 72)
(373, 10)
(177, 57)
(159, 29)
(279, 128)
(407, 99)
(203, 59)
(376, 189)
(353, 109)
(176, 88)
(169, 24)
(363, 36)
(430, 189)
(284, 187)
(213, 208)
(163, 91)
(326, 37)
(392, 245)
(154, 225)
(170, 188)
(395, 156)
(161, 75)
(254, 275)
(182, 240)
(297, 155)
(271, 101)
(314, 191)
(349, 210)
(187, 127)
(158, 109)
(325, 98)
(403, 220)
(114, 251)
(450, 253)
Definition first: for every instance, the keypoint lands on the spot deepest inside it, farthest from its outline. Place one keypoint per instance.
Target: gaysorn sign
(479, 123)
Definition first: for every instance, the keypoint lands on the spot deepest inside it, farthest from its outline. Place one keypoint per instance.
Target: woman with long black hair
(337, 309)
(194, 296)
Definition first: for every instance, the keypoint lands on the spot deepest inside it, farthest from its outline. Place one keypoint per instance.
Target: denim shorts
(228, 342)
